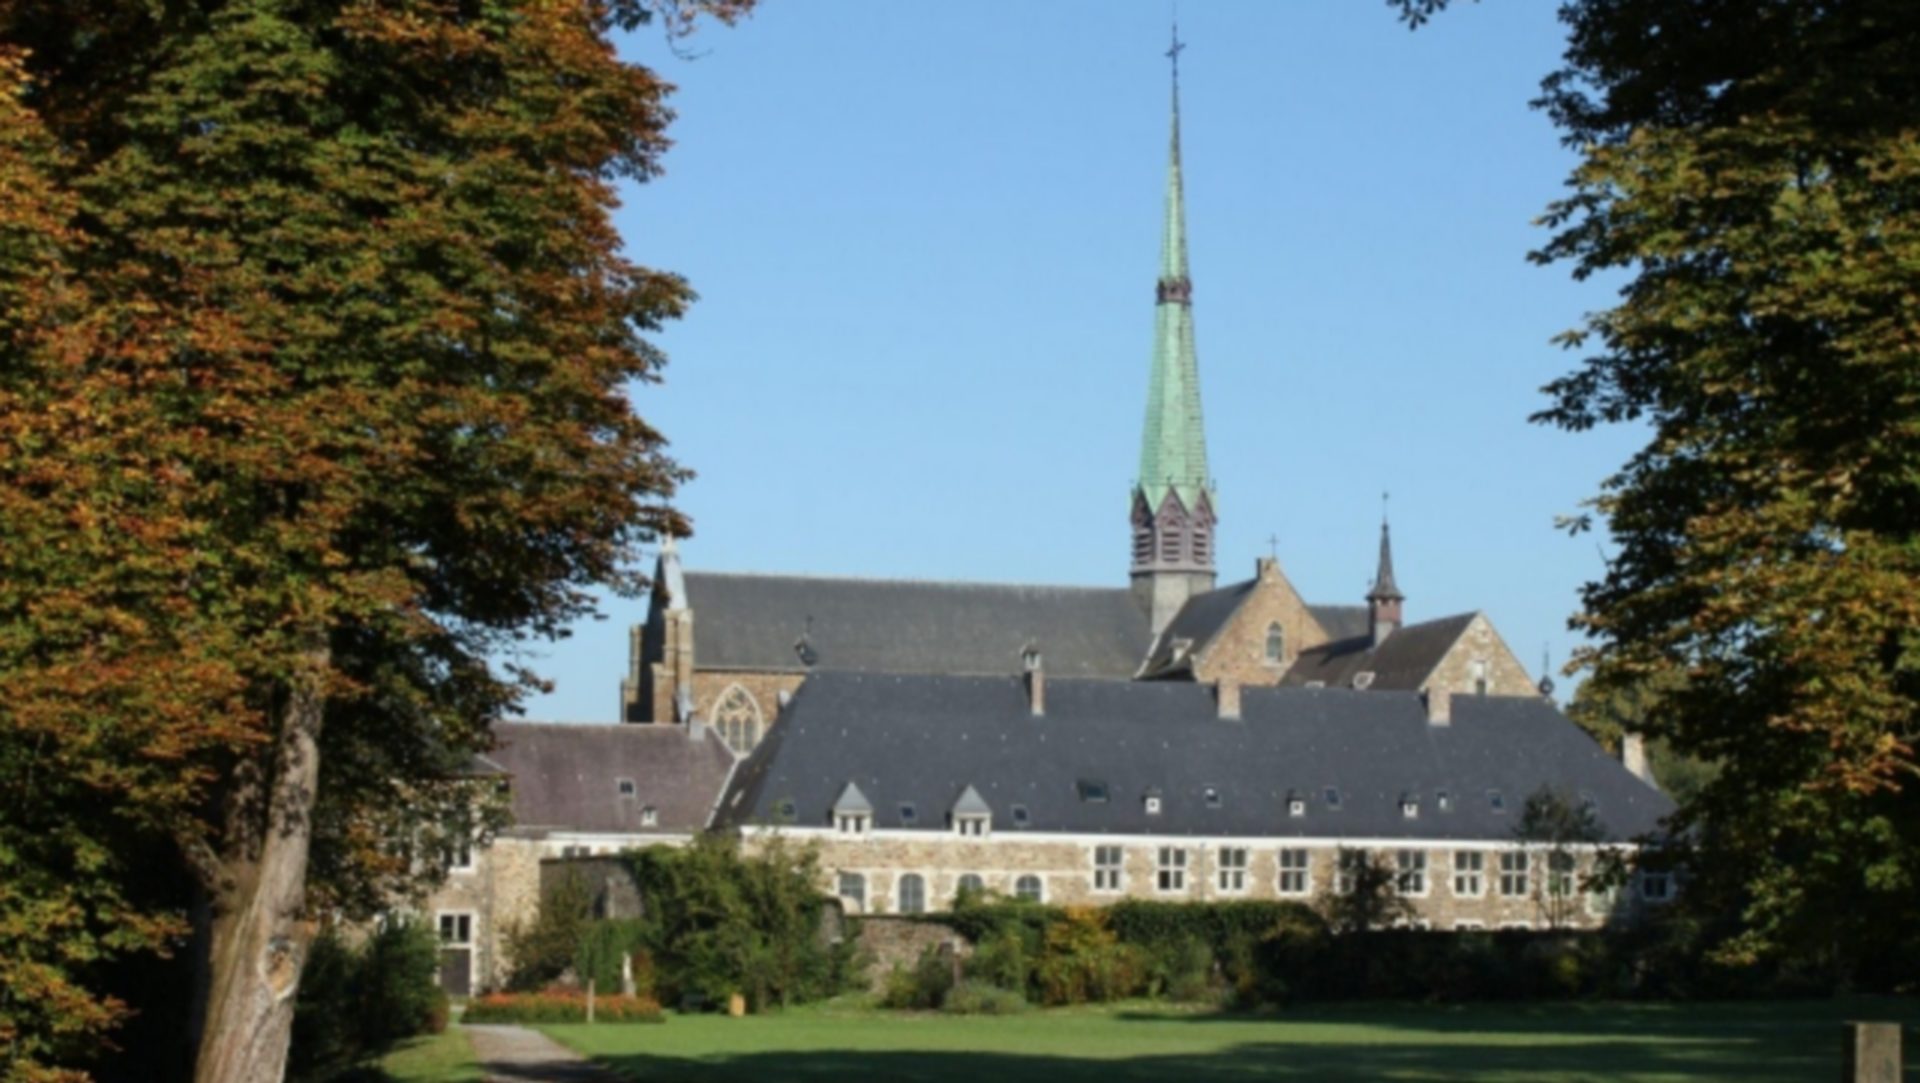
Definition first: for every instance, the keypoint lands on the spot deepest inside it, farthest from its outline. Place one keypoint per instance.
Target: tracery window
(1276, 642)
(737, 717)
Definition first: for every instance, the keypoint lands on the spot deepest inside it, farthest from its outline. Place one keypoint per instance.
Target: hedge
(555, 1006)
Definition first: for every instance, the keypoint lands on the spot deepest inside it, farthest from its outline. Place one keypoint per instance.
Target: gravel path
(519, 1055)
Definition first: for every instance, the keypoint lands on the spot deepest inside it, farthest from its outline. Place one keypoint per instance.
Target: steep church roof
(1173, 447)
(1204, 616)
(1403, 660)
(1086, 766)
(910, 626)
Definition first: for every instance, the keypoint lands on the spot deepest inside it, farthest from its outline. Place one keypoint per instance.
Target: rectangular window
(1172, 869)
(1468, 926)
(1351, 863)
(461, 860)
(1233, 870)
(1513, 873)
(1469, 868)
(456, 929)
(1293, 872)
(853, 888)
(1656, 887)
(1560, 866)
(1411, 872)
(1106, 868)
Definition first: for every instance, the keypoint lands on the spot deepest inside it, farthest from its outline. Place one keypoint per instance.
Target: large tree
(1753, 167)
(313, 391)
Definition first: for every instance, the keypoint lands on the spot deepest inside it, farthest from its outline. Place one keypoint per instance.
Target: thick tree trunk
(257, 936)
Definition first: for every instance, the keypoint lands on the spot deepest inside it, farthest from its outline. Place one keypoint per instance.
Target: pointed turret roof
(970, 803)
(1384, 588)
(852, 802)
(1173, 449)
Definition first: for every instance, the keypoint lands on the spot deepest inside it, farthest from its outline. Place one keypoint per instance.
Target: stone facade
(1480, 651)
(886, 942)
(1065, 867)
(1238, 651)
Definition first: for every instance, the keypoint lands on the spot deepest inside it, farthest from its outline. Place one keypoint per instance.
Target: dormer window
(1152, 802)
(1296, 804)
(1409, 806)
(852, 823)
(1276, 643)
(1443, 800)
(1211, 795)
(649, 817)
(971, 817)
(852, 812)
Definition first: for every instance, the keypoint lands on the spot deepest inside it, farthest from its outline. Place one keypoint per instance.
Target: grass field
(1559, 1043)
(438, 1058)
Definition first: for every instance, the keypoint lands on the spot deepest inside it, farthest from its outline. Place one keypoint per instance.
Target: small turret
(1383, 601)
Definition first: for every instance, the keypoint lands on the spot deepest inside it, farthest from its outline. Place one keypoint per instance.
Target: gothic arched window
(737, 717)
(1276, 642)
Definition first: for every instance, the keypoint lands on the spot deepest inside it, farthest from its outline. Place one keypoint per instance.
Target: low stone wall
(886, 941)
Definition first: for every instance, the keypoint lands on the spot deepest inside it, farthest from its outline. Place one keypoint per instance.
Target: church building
(1170, 737)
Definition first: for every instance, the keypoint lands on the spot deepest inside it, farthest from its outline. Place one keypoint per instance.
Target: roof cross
(1173, 53)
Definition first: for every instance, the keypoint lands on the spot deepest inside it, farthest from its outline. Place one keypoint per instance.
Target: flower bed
(561, 1007)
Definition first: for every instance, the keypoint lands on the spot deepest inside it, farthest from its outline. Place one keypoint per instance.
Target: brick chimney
(1439, 703)
(1036, 680)
(1227, 693)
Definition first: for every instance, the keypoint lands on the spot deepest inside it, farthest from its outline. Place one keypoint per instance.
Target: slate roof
(908, 626)
(919, 739)
(566, 777)
(1204, 615)
(1402, 661)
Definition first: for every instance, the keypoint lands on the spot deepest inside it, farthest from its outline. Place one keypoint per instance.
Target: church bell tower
(1173, 500)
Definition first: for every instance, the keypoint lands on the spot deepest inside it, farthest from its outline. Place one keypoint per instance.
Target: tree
(316, 346)
(1557, 827)
(1754, 168)
(1364, 894)
(1610, 712)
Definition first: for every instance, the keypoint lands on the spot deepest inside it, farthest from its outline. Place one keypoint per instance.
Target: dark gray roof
(920, 738)
(567, 777)
(1401, 662)
(906, 626)
(1342, 621)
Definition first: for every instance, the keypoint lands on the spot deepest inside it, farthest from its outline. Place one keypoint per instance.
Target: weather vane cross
(1173, 53)
(1273, 545)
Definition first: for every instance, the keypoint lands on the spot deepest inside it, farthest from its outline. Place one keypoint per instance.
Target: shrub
(1082, 961)
(543, 949)
(1182, 971)
(1003, 961)
(561, 1006)
(355, 1003)
(922, 986)
(979, 998)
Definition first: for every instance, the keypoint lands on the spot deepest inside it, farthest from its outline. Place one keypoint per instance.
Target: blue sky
(925, 238)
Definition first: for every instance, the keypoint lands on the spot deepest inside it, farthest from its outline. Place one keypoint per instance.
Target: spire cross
(1384, 497)
(1273, 546)
(1173, 53)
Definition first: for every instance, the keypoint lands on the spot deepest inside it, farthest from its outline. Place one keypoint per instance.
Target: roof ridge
(908, 581)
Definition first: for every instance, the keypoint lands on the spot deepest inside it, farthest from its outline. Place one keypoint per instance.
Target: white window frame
(649, 816)
(1468, 925)
(1109, 879)
(1470, 866)
(461, 860)
(859, 901)
(1563, 874)
(1519, 925)
(1516, 873)
(1170, 870)
(900, 893)
(440, 927)
(1303, 870)
(1653, 876)
(1410, 873)
(852, 823)
(1231, 870)
(1345, 864)
(1040, 886)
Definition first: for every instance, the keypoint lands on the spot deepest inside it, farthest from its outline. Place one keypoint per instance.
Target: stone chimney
(1633, 757)
(1036, 680)
(1227, 693)
(1439, 703)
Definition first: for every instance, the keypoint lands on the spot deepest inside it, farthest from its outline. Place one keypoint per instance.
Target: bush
(1181, 971)
(922, 986)
(356, 1003)
(1082, 962)
(979, 998)
(1003, 961)
(543, 949)
(561, 1006)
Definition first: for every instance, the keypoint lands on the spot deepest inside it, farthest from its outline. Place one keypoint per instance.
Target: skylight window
(1092, 790)
(1443, 800)
(784, 810)
(1020, 816)
(909, 815)
(1332, 794)
(1496, 801)
(1296, 804)
(1152, 802)
(626, 787)
(1212, 796)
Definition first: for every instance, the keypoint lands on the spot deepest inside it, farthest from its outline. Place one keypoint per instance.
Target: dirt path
(519, 1055)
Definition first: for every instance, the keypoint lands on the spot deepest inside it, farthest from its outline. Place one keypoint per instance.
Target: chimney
(1036, 677)
(696, 729)
(1439, 706)
(1227, 691)
(1266, 568)
(1633, 757)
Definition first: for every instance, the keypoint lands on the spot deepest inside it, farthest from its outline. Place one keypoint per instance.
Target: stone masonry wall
(1066, 870)
(1480, 642)
(1239, 652)
(887, 942)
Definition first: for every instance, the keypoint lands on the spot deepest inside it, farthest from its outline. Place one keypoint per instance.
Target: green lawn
(1559, 1043)
(438, 1058)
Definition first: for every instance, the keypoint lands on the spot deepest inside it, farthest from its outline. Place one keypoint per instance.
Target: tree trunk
(257, 938)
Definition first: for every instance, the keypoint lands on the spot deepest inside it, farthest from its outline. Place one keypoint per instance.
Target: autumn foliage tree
(1753, 168)
(314, 358)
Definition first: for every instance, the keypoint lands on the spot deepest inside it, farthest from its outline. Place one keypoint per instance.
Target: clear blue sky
(925, 238)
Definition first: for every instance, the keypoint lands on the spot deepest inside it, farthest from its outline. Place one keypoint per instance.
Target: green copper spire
(1173, 449)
